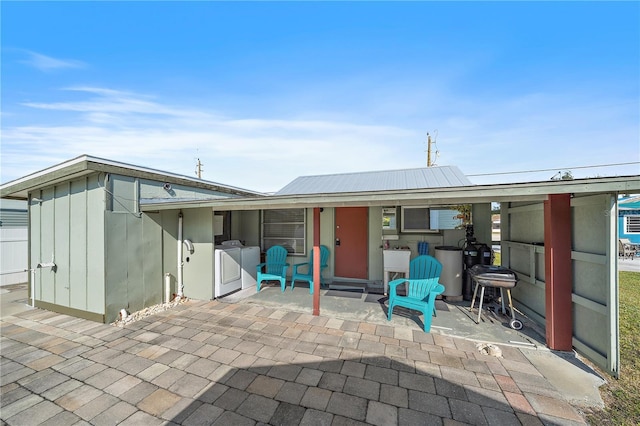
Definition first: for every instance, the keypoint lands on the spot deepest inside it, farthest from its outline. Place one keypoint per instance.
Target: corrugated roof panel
(429, 177)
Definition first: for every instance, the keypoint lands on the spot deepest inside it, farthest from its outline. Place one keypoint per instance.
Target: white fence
(13, 255)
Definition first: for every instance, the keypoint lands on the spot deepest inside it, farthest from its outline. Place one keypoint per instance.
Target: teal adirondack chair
(308, 275)
(422, 287)
(275, 267)
(423, 266)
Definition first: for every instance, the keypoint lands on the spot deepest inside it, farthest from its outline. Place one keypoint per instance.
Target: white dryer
(228, 270)
(250, 260)
(250, 257)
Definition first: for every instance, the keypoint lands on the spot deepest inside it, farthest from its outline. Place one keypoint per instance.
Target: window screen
(632, 225)
(284, 227)
(415, 219)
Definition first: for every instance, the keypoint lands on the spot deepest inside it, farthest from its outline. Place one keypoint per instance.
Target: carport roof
(510, 192)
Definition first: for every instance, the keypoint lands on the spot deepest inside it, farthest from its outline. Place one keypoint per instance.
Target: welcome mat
(441, 306)
(351, 294)
(375, 298)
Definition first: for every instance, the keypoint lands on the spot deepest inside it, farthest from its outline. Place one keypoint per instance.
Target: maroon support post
(558, 272)
(316, 261)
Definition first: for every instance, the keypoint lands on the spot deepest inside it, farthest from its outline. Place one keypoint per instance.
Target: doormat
(441, 306)
(347, 286)
(344, 293)
(375, 298)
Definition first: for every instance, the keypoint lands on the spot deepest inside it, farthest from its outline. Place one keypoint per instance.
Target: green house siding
(133, 267)
(67, 227)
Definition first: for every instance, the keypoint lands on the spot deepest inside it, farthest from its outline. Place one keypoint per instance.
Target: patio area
(366, 303)
(207, 362)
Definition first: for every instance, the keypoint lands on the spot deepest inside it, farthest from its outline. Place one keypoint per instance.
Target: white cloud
(48, 63)
(255, 153)
(529, 132)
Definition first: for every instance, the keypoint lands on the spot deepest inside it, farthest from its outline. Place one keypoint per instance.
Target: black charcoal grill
(496, 277)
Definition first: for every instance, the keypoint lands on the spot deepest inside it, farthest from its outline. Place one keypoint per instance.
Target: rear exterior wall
(68, 229)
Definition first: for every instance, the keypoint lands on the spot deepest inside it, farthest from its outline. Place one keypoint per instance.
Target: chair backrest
(276, 259)
(423, 267)
(420, 289)
(324, 258)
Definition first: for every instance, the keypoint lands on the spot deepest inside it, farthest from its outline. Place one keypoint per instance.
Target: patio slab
(288, 380)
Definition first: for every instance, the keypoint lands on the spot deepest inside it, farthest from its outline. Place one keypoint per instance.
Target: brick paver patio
(236, 364)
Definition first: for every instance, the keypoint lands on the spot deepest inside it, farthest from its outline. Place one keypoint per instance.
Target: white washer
(250, 260)
(228, 270)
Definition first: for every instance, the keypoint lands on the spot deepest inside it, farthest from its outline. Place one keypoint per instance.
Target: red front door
(352, 240)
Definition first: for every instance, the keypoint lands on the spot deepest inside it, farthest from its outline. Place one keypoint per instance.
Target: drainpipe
(32, 272)
(180, 263)
(167, 287)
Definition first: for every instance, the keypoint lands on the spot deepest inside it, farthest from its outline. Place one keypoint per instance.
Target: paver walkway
(234, 364)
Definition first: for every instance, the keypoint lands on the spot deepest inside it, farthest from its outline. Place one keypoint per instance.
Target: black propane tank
(470, 258)
(484, 254)
(470, 255)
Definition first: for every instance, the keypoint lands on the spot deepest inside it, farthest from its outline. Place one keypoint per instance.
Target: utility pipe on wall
(33, 286)
(167, 287)
(180, 264)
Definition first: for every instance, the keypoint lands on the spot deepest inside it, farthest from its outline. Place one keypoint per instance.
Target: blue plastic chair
(275, 267)
(423, 267)
(308, 276)
(422, 287)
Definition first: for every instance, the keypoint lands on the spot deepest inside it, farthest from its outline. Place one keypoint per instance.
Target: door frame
(363, 256)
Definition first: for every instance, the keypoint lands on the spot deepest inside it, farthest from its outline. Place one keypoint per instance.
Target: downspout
(180, 263)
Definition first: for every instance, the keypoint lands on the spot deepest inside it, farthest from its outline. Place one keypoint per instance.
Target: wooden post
(558, 272)
(316, 261)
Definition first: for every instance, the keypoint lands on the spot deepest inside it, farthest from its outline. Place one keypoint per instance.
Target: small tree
(464, 214)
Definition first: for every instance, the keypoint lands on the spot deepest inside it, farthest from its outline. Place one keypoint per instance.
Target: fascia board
(469, 194)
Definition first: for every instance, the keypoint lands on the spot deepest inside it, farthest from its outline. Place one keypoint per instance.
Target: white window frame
(632, 224)
(274, 230)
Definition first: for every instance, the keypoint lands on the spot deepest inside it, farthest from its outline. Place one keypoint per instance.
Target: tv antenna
(199, 169)
(436, 153)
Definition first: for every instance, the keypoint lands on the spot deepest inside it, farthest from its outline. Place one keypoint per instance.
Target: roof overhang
(531, 191)
(86, 165)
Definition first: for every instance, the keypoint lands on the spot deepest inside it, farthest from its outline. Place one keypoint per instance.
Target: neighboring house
(14, 238)
(629, 218)
(115, 234)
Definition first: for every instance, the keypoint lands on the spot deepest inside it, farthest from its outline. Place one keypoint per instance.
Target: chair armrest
(298, 265)
(259, 266)
(438, 289)
(435, 291)
(395, 283)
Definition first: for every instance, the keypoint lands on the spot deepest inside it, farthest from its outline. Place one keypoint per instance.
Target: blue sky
(265, 92)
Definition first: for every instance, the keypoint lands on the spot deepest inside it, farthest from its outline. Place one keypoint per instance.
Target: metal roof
(386, 180)
(85, 164)
(529, 191)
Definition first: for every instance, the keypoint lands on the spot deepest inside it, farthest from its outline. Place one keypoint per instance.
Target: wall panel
(78, 245)
(95, 256)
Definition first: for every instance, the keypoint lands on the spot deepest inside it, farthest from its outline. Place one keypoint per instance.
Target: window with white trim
(284, 227)
(632, 224)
